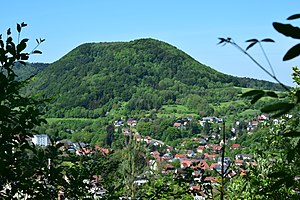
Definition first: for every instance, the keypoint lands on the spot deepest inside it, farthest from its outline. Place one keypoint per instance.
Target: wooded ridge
(145, 73)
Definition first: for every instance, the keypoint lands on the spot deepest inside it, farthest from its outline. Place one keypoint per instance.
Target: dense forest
(144, 73)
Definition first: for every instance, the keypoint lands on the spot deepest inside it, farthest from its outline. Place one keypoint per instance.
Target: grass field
(51, 120)
(176, 111)
(250, 112)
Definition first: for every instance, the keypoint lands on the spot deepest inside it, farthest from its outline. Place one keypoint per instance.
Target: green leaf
(292, 134)
(277, 184)
(277, 106)
(271, 94)
(21, 46)
(37, 52)
(256, 98)
(295, 16)
(280, 108)
(24, 56)
(267, 40)
(9, 40)
(23, 24)
(277, 174)
(250, 45)
(8, 31)
(252, 40)
(287, 30)
(292, 53)
(19, 28)
(252, 93)
(290, 155)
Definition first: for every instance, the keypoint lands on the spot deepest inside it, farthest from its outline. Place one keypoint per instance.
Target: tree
(19, 115)
(28, 171)
(110, 129)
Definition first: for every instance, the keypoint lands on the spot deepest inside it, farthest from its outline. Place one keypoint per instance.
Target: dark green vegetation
(31, 69)
(94, 78)
(277, 145)
(83, 85)
(146, 79)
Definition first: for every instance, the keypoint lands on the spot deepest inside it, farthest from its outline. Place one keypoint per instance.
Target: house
(180, 156)
(190, 153)
(167, 156)
(210, 156)
(103, 151)
(126, 131)
(83, 151)
(243, 157)
(131, 122)
(140, 181)
(200, 149)
(214, 148)
(210, 179)
(185, 163)
(203, 142)
(41, 140)
(213, 165)
(239, 162)
(218, 168)
(202, 165)
(235, 146)
(168, 167)
(156, 155)
(252, 125)
(263, 117)
(227, 160)
(147, 139)
(169, 149)
(178, 125)
(118, 123)
(252, 163)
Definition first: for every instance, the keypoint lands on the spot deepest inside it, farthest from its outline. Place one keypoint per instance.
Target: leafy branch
(288, 30)
(252, 43)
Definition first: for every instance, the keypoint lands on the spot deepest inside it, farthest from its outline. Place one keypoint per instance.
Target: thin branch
(257, 63)
(266, 57)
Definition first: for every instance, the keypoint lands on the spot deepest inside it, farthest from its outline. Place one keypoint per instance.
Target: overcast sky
(193, 26)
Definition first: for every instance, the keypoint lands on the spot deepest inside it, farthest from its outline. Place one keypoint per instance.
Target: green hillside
(146, 73)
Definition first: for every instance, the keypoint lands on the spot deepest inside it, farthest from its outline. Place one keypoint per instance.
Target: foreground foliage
(277, 174)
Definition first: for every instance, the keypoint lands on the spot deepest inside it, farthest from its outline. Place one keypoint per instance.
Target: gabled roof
(234, 146)
(186, 163)
(212, 166)
(180, 156)
(202, 165)
(177, 124)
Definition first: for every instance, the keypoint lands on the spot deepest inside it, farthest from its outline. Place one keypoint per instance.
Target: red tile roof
(234, 146)
(180, 155)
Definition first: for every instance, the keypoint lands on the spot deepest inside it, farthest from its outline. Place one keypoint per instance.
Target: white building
(41, 140)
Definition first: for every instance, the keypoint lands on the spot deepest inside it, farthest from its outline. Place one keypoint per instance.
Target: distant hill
(146, 73)
(24, 72)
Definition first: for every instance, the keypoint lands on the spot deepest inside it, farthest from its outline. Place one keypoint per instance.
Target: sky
(193, 26)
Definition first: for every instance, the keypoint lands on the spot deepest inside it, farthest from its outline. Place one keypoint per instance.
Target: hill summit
(146, 73)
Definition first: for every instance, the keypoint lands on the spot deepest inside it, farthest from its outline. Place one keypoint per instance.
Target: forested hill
(146, 73)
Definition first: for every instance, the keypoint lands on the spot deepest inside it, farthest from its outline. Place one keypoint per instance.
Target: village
(201, 154)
